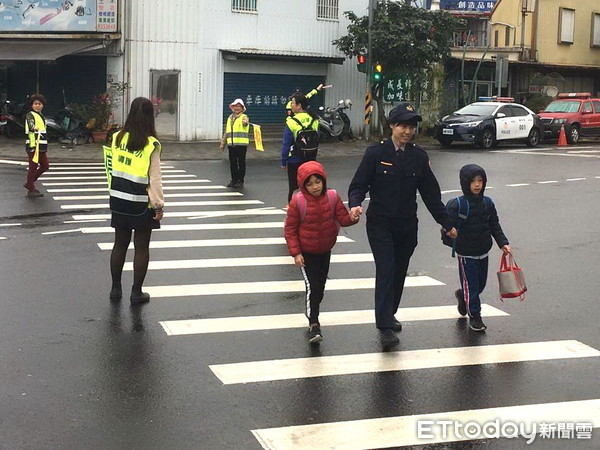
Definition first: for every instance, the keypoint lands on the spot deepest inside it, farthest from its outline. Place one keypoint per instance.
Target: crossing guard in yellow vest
(237, 140)
(136, 196)
(36, 144)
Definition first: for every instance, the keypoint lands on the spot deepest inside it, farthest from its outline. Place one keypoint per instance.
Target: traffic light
(361, 63)
(377, 73)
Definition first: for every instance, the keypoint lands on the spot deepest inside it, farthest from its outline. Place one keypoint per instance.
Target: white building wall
(188, 36)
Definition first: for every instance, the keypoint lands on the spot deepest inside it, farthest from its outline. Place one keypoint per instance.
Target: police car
(486, 123)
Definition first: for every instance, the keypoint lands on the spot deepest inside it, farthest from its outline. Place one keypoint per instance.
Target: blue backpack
(464, 208)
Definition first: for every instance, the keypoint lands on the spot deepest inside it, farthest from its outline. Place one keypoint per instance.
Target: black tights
(141, 258)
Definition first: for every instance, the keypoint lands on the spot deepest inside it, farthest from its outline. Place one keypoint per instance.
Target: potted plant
(101, 110)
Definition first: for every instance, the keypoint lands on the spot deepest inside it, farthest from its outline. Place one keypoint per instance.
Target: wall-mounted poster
(58, 16)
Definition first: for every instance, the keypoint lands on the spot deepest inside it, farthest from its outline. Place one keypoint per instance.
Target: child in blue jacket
(474, 240)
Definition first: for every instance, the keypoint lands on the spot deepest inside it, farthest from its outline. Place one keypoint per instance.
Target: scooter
(334, 122)
(67, 128)
(14, 116)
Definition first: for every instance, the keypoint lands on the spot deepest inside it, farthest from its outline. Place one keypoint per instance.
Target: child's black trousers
(315, 270)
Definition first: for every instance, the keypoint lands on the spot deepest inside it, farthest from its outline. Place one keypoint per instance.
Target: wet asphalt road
(79, 372)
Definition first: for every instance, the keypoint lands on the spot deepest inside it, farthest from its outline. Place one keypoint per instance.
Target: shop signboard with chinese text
(395, 90)
(482, 6)
(59, 16)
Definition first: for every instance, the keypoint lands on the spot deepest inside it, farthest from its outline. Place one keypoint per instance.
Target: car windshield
(566, 107)
(477, 110)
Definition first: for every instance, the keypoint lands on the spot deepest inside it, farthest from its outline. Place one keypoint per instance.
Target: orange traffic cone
(562, 137)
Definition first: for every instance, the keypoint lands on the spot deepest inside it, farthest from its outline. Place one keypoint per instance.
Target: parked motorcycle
(14, 118)
(67, 128)
(334, 122)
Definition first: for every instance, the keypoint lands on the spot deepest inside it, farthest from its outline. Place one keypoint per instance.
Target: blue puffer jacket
(475, 234)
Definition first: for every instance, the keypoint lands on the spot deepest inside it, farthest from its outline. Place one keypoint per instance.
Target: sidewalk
(14, 149)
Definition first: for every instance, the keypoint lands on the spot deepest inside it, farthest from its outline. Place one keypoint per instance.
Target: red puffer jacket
(317, 233)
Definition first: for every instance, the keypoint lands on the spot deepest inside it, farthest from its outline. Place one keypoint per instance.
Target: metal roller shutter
(266, 95)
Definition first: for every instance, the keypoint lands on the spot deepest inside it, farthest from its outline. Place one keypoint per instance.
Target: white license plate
(448, 131)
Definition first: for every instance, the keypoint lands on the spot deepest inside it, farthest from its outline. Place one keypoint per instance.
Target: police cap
(404, 113)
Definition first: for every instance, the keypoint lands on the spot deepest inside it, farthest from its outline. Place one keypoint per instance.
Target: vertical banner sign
(368, 108)
(258, 138)
(107, 163)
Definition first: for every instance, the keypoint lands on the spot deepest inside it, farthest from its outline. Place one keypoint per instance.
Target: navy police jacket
(392, 181)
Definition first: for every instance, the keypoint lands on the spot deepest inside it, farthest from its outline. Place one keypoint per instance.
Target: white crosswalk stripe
(327, 319)
(254, 261)
(325, 366)
(403, 431)
(172, 204)
(212, 243)
(263, 287)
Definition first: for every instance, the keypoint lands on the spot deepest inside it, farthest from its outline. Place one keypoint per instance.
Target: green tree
(405, 39)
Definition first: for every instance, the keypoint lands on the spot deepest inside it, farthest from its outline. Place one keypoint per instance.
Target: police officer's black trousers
(315, 270)
(292, 173)
(237, 162)
(393, 242)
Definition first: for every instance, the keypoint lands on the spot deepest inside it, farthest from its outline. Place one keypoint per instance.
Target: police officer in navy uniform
(392, 172)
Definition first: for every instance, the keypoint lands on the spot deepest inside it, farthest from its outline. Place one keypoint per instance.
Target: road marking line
(165, 188)
(517, 184)
(76, 230)
(10, 224)
(262, 287)
(16, 163)
(451, 191)
(401, 431)
(166, 195)
(530, 152)
(86, 221)
(325, 366)
(197, 227)
(327, 319)
(214, 242)
(103, 183)
(97, 168)
(202, 214)
(243, 262)
(101, 172)
(3, 239)
(547, 182)
(103, 177)
(576, 179)
(172, 204)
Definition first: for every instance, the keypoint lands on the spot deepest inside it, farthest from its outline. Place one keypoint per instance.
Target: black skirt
(144, 222)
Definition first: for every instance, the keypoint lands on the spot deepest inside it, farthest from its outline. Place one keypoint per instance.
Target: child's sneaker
(462, 306)
(476, 324)
(314, 333)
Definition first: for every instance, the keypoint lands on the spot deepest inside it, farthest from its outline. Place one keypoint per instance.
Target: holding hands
(355, 213)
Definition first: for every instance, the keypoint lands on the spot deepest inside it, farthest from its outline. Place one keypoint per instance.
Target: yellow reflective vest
(40, 125)
(236, 133)
(130, 176)
(305, 119)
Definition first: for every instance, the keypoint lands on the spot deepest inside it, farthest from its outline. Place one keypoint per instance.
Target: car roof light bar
(583, 95)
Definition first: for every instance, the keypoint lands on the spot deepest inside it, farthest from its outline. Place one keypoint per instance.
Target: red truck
(578, 112)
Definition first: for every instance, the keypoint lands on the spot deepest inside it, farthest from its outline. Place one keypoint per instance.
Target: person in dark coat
(474, 241)
(392, 172)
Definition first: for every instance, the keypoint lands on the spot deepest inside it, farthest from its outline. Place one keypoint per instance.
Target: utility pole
(369, 94)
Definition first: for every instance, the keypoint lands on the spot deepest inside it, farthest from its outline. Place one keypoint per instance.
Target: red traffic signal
(361, 63)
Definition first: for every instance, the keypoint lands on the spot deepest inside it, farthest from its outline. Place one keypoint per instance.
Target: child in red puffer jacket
(313, 219)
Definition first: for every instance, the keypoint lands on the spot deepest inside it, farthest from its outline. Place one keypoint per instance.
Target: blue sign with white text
(468, 5)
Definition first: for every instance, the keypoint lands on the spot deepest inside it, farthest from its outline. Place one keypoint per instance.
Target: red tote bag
(511, 280)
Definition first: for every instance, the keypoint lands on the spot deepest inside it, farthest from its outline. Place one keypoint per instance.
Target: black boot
(137, 296)
(116, 293)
